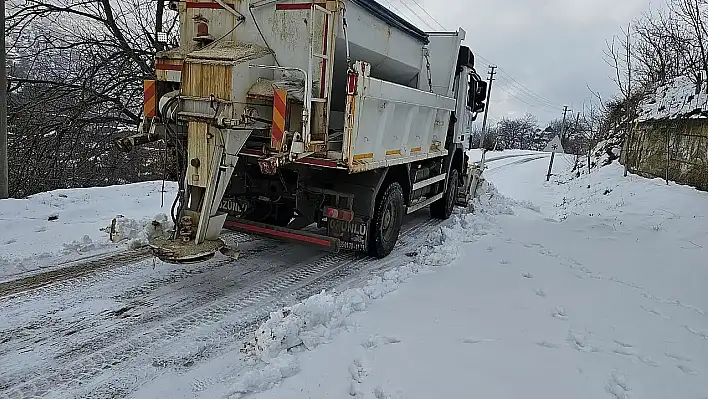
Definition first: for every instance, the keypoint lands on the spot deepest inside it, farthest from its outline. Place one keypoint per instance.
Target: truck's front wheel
(386, 225)
(442, 209)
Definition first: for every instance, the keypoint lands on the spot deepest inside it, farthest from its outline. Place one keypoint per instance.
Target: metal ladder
(315, 57)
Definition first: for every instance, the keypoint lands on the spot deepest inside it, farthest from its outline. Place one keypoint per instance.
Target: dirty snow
(586, 288)
(46, 229)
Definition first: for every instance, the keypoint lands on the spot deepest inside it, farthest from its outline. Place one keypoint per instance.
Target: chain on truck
(321, 122)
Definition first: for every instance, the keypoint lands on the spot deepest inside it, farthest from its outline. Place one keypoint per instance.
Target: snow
(588, 287)
(676, 99)
(55, 227)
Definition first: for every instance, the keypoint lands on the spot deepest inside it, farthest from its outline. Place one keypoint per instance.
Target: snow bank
(676, 99)
(49, 228)
(315, 320)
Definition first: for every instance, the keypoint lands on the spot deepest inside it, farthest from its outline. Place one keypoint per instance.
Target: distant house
(670, 137)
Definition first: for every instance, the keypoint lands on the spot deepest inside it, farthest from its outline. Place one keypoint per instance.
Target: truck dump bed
(358, 95)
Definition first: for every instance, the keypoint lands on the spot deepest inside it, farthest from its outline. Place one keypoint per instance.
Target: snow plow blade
(179, 252)
(282, 233)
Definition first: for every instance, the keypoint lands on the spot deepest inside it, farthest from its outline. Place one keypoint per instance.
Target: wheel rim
(388, 222)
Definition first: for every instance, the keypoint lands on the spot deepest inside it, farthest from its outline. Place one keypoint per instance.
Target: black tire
(442, 209)
(387, 222)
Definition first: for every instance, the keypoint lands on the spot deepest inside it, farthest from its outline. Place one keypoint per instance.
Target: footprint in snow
(546, 344)
(686, 369)
(560, 313)
(624, 348)
(540, 292)
(678, 357)
(377, 340)
(648, 361)
(504, 262)
(580, 342)
(473, 341)
(655, 312)
(357, 372)
(617, 386)
(527, 275)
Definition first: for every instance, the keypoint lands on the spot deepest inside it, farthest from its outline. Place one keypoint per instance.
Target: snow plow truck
(322, 122)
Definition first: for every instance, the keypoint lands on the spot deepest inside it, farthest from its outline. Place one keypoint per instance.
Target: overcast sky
(552, 47)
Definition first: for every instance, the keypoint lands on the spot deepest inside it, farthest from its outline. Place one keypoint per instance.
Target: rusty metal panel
(204, 79)
(199, 154)
(169, 69)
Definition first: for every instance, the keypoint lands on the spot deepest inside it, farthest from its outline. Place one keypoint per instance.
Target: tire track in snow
(315, 276)
(492, 171)
(229, 335)
(82, 268)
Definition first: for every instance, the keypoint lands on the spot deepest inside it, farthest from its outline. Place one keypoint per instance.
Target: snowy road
(87, 336)
(560, 291)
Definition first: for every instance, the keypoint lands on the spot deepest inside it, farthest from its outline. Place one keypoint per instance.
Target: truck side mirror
(477, 94)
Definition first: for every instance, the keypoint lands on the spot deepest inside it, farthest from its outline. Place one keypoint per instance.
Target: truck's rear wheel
(386, 225)
(443, 208)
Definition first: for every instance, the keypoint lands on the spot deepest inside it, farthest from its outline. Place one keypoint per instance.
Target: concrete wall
(646, 151)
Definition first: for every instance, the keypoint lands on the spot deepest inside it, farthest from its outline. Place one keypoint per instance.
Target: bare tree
(77, 68)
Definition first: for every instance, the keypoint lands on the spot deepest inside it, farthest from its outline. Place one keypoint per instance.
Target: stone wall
(645, 153)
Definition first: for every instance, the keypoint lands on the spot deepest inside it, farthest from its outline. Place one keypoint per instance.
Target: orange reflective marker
(149, 98)
(279, 109)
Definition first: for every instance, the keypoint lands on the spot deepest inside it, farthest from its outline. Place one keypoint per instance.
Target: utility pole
(565, 112)
(4, 187)
(492, 72)
(575, 131)
(553, 154)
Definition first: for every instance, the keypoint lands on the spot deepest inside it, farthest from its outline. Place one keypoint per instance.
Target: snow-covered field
(589, 287)
(47, 229)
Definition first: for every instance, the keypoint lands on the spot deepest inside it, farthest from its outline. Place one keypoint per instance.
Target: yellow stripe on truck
(363, 156)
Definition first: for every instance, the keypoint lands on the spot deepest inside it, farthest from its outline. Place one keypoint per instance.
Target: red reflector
(351, 87)
(338, 214)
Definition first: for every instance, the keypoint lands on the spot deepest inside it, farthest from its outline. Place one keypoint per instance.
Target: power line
(530, 104)
(519, 93)
(428, 14)
(431, 27)
(412, 11)
(526, 88)
(521, 87)
(531, 99)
